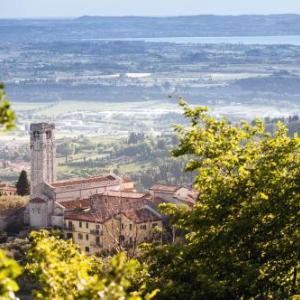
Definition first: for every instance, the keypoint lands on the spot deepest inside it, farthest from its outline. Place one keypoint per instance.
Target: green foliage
(7, 116)
(23, 187)
(9, 271)
(242, 238)
(63, 272)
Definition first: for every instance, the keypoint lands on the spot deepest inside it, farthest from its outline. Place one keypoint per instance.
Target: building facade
(96, 233)
(100, 213)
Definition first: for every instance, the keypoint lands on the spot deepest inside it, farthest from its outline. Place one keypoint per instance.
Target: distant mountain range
(89, 27)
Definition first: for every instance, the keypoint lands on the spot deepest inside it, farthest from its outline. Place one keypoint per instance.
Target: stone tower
(43, 154)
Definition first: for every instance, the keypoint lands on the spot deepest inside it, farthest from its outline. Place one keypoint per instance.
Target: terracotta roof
(95, 179)
(191, 196)
(37, 200)
(6, 185)
(111, 203)
(164, 188)
(157, 200)
(72, 204)
(123, 194)
(117, 201)
(126, 179)
(84, 216)
(8, 188)
(142, 215)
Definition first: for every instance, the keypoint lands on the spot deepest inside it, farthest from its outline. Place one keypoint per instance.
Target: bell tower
(43, 154)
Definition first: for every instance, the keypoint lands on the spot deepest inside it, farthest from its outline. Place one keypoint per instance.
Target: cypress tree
(23, 187)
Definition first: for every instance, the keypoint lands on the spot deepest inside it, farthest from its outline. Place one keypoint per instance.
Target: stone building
(115, 220)
(45, 208)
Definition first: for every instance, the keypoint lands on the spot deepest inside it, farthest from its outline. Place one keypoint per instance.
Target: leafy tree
(7, 116)
(23, 187)
(63, 272)
(9, 271)
(242, 237)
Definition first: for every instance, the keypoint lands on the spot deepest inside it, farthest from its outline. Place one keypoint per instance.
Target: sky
(75, 8)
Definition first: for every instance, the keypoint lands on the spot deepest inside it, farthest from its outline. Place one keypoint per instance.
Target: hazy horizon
(35, 9)
(139, 16)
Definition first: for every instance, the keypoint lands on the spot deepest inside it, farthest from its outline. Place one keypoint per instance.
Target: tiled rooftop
(79, 181)
(164, 188)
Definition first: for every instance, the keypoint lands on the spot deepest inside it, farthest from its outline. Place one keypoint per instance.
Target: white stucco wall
(76, 192)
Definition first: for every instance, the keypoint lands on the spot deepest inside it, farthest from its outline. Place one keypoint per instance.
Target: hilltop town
(99, 213)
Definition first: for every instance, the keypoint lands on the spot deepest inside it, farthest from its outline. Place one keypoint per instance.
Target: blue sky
(73, 8)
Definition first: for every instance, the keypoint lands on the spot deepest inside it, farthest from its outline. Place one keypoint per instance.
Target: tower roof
(41, 126)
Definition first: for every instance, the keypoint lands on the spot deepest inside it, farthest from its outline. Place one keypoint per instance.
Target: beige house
(114, 220)
(95, 232)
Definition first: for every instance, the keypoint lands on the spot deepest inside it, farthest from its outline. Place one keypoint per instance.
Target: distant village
(99, 213)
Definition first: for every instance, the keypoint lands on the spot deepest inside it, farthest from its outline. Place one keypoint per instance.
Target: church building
(45, 208)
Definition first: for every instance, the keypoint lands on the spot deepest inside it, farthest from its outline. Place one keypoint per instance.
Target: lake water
(247, 40)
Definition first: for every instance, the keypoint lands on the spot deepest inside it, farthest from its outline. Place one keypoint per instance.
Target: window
(69, 225)
(123, 226)
(87, 249)
(97, 240)
(80, 224)
(130, 241)
(39, 210)
(87, 237)
(80, 237)
(144, 226)
(130, 226)
(121, 239)
(97, 227)
(87, 225)
(154, 225)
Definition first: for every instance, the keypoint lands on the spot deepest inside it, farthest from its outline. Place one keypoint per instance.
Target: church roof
(87, 180)
(121, 194)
